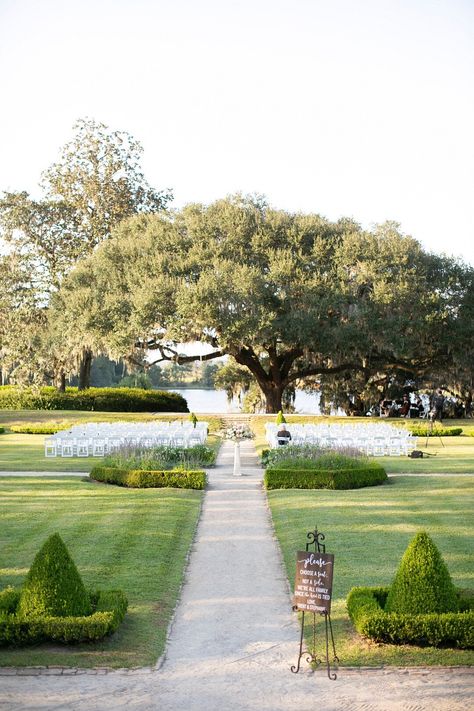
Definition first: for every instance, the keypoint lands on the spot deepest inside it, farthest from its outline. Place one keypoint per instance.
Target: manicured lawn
(455, 457)
(136, 540)
(368, 531)
(24, 452)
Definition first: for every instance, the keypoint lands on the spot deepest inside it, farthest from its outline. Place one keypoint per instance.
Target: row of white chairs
(99, 439)
(372, 440)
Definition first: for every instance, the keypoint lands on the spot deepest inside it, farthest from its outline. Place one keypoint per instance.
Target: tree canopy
(289, 296)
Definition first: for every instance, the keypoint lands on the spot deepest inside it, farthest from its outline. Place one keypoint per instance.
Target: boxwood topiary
(280, 418)
(53, 587)
(422, 583)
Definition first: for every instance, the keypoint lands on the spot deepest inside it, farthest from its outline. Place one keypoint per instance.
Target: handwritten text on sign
(313, 582)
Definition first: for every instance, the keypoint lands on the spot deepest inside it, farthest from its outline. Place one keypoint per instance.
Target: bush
(313, 455)
(141, 479)
(100, 399)
(46, 428)
(434, 430)
(2, 430)
(161, 458)
(109, 609)
(422, 583)
(371, 474)
(53, 587)
(365, 607)
(280, 419)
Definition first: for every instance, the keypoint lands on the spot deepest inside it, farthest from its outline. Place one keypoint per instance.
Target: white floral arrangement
(237, 433)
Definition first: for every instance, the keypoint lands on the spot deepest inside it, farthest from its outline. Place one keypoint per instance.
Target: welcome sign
(313, 582)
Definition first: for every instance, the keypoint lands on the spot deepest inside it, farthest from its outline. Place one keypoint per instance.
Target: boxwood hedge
(434, 430)
(99, 399)
(371, 474)
(141, 479)
(449, 629)
(40, 428)
(108, 607)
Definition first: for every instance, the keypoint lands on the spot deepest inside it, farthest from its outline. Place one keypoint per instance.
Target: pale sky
(359, 108)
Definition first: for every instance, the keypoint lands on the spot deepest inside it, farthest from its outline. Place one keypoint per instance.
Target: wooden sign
(313, 581)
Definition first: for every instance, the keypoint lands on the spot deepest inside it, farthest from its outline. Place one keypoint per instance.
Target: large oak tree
(289, 296)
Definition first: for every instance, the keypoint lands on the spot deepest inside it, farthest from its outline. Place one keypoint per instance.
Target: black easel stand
(429, 433)
(315, 538)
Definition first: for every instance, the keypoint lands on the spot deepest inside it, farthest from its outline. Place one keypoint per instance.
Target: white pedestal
(237, 467)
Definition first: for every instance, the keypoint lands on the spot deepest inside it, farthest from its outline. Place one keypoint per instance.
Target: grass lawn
(136, 540)
(368, 531)
(25, 452)
(455, 457)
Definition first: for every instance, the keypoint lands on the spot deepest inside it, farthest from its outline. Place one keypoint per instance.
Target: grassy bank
(368, 531)
(133, 540)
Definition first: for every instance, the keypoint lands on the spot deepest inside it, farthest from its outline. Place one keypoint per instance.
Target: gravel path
(234, 636)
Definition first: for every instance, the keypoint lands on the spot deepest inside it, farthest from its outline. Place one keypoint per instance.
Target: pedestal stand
(314, 539)
(237, 466)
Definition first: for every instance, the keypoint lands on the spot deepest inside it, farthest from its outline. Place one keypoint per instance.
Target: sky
(357, 108)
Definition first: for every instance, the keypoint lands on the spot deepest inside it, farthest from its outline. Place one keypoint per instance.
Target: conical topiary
(422, 583)
(53, 586)
(280, 418)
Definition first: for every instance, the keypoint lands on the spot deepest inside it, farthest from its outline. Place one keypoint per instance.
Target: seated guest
(404, 407)
(283, 436)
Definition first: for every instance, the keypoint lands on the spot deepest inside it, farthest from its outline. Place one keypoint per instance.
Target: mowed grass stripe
(368, 531)
(134, 540)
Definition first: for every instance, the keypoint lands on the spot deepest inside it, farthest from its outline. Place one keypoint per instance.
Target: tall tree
(96, 182)
(289, 296)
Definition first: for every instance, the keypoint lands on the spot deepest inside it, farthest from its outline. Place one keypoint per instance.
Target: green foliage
(2, 430)
(9, 599)
(109, 609)
(422, 583)
(371, 474)
(141, 479)
(365, 607)
(435, 430)
(309, 456)
(53, 587)
(42, 429)
(101, 399)
(280, 418)
(164, 457)
(136, 380)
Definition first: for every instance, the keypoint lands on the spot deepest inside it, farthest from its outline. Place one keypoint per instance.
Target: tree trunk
(61, 381)
(85, 370)
(273, 394)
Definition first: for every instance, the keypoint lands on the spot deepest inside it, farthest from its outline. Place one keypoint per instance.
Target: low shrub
(2, 430)
(108, 611)
(161, 458)
(46, 428)
(141, 479)
(53, 586)
(449, 629)
(371, 474)
(434, 430)
(422, 583)
(101, 399)
(340, 458)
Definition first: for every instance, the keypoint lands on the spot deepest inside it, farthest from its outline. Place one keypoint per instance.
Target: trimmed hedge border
(422, 430)
(450, 629)
(40, 429)
(2, 430)
(143, 479)
(371, 475)
(109, 610)
(100, 399)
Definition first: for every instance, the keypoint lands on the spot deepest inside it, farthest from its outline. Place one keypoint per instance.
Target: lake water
(216, 401)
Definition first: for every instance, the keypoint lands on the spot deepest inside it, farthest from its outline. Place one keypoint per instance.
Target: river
(216, 401)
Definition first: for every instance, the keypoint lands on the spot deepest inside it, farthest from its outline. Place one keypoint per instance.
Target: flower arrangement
(237, 433)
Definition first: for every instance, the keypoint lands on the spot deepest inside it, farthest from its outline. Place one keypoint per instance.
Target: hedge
(142, 479)
(370, 475)
(109, 610)
(100, 399)
(2, 430)
(434, 430)
(450, 629)
(47, 428)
